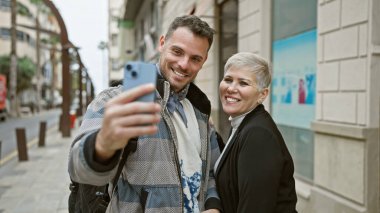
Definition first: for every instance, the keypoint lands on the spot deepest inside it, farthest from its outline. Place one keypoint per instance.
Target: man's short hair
(195, 25)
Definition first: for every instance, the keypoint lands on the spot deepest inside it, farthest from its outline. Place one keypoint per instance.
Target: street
(31, 123)
(40, 184)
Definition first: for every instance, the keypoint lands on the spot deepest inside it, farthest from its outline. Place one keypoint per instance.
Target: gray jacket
(150, 180)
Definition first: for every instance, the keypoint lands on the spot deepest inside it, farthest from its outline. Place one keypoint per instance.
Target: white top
(235, 123)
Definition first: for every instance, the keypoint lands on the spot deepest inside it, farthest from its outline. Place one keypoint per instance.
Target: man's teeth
(180, 74)
(232, 99)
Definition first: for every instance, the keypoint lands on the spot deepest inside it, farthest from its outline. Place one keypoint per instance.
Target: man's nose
(184, 62)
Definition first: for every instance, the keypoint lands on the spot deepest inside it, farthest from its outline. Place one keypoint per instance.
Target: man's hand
(211, 211)
(124, 118)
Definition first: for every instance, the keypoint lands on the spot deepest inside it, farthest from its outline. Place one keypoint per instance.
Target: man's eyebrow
(176, 47)
(180, 48)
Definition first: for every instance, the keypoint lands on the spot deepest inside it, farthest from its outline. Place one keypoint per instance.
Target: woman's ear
(263, 95)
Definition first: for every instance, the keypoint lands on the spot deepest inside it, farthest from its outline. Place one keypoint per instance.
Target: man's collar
(181, 94)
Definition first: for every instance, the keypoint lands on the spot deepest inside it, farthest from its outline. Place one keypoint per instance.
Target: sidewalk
(40, 184)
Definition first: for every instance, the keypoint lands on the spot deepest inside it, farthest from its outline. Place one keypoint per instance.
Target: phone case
(138, 73)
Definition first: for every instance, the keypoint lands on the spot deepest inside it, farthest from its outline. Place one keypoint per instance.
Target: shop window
(115, 64)
(141, 46)
(20, 35)
(114, 39)
(5, 33)
(5, 5)
(294, 58)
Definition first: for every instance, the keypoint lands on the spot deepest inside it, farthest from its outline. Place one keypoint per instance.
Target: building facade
(47, 79)
(115, 52)
(325, 95)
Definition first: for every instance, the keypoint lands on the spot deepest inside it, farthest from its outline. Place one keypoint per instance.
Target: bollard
(21, 144)
(60, 123)
(41, 142)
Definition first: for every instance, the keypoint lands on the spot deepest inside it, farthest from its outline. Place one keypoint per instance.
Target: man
(171, 168)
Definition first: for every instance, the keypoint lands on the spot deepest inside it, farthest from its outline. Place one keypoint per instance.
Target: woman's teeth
(232, 99)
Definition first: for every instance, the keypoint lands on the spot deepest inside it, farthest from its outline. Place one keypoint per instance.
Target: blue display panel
(294, 80)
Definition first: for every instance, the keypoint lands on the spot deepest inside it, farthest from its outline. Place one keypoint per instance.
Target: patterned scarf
(174, 103)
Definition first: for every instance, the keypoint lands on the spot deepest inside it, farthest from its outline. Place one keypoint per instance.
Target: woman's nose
(231, 88)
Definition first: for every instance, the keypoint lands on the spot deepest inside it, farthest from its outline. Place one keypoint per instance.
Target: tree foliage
(23, 10)
(40, 4)
(25, 71)
(52, 40)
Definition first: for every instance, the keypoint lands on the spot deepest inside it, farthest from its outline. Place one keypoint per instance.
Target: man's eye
(197, 60)
(177, 52)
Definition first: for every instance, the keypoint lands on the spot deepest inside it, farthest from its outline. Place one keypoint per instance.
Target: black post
(41, 142)
(60, 123)
(21, 144)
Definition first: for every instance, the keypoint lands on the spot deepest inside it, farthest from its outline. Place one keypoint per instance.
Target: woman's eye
(243, 83)
(227, 80)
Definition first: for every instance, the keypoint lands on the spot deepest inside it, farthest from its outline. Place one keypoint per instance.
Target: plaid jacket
(150, 180)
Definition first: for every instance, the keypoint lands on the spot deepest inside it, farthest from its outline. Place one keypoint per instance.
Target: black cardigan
(255, 173)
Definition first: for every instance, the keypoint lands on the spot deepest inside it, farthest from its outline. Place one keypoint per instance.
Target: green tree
(23, 10)
(25, 71)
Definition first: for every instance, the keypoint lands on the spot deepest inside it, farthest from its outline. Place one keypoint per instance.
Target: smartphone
(137, 73)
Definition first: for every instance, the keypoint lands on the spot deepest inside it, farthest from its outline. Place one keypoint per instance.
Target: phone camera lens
(134, 74)
(129, 67)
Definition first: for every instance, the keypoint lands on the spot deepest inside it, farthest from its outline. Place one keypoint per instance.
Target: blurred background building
(325, 93)
(42, 68)
(37, 39)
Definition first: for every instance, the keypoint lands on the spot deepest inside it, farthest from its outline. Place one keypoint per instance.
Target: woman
(255, 171)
